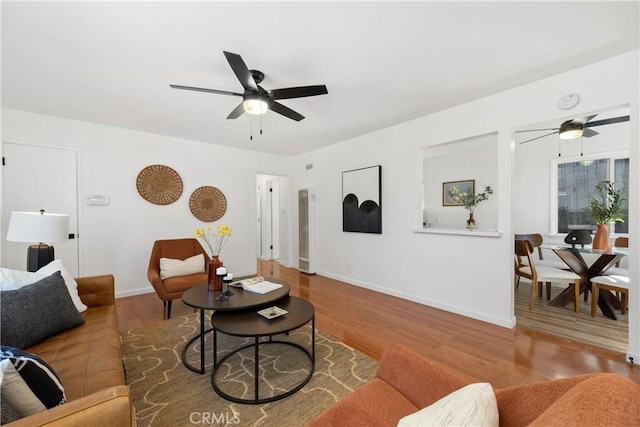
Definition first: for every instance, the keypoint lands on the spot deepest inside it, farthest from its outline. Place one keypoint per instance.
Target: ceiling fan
(255, 99)
(575, 128)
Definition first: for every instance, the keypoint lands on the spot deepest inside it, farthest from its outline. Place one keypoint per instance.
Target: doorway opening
(270, 202)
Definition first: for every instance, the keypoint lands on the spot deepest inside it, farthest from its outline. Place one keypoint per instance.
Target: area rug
(166, 393)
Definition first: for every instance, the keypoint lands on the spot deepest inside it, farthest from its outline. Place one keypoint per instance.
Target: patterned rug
(166, 393)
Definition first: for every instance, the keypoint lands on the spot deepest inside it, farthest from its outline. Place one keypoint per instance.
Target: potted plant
(470, 201)
(606, 209)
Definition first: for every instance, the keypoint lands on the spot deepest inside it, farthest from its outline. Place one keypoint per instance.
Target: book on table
(256, 284)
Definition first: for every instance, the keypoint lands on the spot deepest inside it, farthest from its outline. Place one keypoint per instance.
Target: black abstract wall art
(362, 200)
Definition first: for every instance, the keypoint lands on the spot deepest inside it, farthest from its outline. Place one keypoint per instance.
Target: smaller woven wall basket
(159, 184)
(208, 204)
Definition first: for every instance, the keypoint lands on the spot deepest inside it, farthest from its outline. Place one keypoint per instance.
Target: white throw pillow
(15, 279)
(473, 405)
(176, 267)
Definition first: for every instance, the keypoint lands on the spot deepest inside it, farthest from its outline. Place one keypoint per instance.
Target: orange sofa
(406, 382)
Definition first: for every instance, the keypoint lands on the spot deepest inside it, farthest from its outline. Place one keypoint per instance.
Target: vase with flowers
(470, 201)
(607, 208)
(215, 241)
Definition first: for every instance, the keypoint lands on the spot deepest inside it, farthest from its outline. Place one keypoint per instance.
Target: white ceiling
(383, 62)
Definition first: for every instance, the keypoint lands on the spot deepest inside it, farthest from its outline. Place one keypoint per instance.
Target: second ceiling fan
(255, 99)
(575, 128)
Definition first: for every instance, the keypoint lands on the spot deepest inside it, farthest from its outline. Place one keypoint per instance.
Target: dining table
(573, 257)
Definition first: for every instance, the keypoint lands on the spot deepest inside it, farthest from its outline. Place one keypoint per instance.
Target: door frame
(4, 216)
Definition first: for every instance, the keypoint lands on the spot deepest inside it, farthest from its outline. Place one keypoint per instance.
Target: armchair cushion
(29, 384)
(37, 311)
(176, 267)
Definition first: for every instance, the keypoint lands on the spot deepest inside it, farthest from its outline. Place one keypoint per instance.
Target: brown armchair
(173, 287)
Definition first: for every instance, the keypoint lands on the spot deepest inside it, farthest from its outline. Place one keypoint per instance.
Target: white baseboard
(505, 323)
(633, 358)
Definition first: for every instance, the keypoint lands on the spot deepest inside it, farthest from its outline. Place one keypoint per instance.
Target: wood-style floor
(600, 331)
(370, 321)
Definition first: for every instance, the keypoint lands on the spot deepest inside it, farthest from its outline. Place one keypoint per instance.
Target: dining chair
(542, 274)
(616, 283)
(616, 279)
(536, 240)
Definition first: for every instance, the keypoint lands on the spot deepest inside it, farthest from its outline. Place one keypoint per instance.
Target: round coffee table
(249, 323)
(202, 298)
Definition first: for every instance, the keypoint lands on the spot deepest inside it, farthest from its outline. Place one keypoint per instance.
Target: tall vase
(215, 282)
(471, 223)
(601, 240)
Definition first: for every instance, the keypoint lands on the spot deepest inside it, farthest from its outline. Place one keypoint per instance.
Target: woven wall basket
(159, 184)
(208, 204)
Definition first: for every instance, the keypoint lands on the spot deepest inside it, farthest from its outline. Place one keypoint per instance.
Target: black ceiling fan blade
(285, 111)
(202, 89)
(588, 133)
(538, 137)
(298, 92)
(607, 121)
(237, 112)
(535, 130)
(241, 70)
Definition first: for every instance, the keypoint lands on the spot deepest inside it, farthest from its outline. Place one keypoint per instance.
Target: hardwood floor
(369, 321)
(600, 331)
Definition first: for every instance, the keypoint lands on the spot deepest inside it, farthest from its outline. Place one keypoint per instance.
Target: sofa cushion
(375, 403)
(176, 267)
(29, 384)
(37, 311)
(87, 358)
(15, 279)
(472, 405)
(595, 401)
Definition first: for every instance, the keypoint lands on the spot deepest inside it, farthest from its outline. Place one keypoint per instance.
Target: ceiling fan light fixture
(255, 105)
(571, 130)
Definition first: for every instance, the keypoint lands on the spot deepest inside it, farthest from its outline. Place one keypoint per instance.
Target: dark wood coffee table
(248, 323)
(202, 298)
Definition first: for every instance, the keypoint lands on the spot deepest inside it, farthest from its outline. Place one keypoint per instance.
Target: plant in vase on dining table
(607, 209)
(470, 201)
(215, 241)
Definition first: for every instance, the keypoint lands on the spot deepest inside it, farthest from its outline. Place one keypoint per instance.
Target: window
(576, 182)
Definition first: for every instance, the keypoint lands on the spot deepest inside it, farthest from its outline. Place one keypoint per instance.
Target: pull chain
(260, 124)
(559, 146)
(581, 146)
(250, 128)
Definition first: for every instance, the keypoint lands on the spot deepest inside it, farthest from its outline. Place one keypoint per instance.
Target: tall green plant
(609, 207)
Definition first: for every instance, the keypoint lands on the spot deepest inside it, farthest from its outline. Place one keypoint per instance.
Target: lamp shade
(38, 227)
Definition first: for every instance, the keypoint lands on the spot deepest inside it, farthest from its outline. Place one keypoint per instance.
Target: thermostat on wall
(97, 200)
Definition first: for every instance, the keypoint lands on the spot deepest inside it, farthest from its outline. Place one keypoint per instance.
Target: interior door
(40, 177)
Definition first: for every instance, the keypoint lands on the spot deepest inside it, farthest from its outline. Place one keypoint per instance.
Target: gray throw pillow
(36, 312)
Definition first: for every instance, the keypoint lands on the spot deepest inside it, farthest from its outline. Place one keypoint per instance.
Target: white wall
(118, 238)
(464, 274)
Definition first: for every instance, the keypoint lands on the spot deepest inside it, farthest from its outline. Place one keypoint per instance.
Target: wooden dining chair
(543, 274)
(616, 279)
(536, 240)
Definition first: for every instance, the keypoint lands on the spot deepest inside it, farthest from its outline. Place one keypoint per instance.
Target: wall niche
(471, 159)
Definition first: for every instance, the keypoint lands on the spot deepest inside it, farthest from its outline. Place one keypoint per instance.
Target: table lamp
(40, 227)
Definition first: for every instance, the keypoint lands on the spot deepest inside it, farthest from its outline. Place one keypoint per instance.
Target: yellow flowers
(220, 237)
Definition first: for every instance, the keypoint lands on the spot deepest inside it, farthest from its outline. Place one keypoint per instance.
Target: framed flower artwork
(454, 192)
